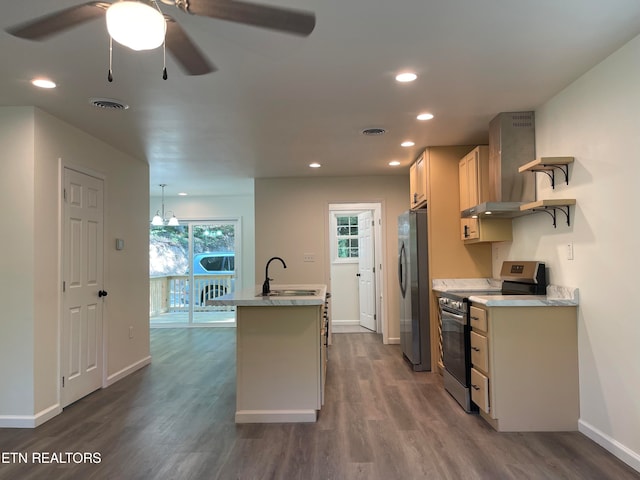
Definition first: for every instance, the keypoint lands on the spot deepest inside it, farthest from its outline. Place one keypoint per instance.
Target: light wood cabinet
(418, 181)
(473, 170)
(448, 256)
(525, 367)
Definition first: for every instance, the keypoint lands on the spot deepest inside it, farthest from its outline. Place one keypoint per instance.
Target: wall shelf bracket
(551, 173)
(552, 212)
(551, 207)
(548, 165)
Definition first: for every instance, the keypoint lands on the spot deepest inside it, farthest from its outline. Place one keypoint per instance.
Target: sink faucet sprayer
(266, 288)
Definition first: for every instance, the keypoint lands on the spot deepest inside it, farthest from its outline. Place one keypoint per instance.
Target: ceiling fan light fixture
(136, 25)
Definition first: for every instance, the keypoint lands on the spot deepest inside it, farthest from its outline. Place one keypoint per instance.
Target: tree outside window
(347, 236)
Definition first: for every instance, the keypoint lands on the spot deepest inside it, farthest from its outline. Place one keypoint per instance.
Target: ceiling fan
(182, 48)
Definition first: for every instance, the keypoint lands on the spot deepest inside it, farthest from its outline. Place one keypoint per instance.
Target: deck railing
(172, 293)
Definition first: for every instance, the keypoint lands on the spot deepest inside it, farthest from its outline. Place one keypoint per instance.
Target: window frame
(335, 259)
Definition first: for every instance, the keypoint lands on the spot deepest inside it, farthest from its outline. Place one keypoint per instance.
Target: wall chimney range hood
(511, 144)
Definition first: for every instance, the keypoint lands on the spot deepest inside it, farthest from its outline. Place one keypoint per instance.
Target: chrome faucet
(266, 288)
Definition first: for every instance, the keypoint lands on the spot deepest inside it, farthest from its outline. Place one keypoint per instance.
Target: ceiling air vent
(373, 131)
(108, 103)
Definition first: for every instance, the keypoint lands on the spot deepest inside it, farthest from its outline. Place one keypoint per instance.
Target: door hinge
(373, 223)
(64, 286)
(375, 317)
(62, 382)
(64, 194)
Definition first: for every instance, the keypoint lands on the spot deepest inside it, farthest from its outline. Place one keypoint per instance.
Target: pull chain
(164, 60)
(110, 75)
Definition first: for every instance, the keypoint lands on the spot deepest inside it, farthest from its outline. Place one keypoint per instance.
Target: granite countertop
(556, 296)
(252, 297)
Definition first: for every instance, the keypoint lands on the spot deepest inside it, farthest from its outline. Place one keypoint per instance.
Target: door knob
(102, 293)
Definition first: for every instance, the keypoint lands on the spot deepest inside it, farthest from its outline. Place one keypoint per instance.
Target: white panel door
(81, 349)
(366, 275)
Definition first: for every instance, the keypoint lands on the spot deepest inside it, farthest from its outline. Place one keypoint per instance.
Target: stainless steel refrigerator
(413, 276)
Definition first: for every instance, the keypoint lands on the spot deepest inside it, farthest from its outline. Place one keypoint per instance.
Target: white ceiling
(279, 102)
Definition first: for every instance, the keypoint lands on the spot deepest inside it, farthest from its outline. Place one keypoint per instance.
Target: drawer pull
(475, 387)
(474, 318)
(475, 349)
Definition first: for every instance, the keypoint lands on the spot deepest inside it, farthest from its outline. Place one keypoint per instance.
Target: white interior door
(81, 349)
(366, 271)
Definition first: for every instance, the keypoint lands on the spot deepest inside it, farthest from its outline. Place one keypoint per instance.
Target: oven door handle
(454, 316)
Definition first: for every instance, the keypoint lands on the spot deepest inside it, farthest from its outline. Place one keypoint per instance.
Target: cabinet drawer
(479, 352)
(480, 390)
(478, 318)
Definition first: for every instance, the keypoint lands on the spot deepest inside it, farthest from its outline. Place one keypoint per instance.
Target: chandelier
(159, 219)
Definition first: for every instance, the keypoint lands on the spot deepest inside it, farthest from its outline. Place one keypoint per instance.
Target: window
(347, 236)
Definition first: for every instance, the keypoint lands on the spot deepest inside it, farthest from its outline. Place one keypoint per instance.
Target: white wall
(38, 145)
(597, 120)
(17, 262)
(292, 219)
(219, 207)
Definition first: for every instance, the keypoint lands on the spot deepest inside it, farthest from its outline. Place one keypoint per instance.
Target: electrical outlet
(130, 332)
(309, 257)
(570, 251)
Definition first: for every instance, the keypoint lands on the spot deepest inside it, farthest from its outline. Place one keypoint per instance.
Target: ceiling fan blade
(59, 21)
(184, 51)
(286, 20)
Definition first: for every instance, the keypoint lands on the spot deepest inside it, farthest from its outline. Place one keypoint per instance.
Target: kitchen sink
(291, 292)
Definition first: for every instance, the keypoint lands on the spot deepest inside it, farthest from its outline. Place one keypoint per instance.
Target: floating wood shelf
(548, 166)
(551, 206)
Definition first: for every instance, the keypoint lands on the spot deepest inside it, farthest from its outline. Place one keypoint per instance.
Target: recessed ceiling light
(43, 83)
(405, 77)
(425, 116)
(408, 143)
(394, 163)
(183, 194)
(315, 165)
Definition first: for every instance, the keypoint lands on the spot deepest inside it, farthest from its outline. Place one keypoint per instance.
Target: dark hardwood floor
(174, 420)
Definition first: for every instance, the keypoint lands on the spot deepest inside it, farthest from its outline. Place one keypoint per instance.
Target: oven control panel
(457, 305)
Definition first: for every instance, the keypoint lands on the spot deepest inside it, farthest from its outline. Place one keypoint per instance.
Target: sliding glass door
(190, 265)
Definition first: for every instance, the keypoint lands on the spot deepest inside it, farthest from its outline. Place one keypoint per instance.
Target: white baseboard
(345, 322)
(393, 341)
(276, 416)
(30, 421)
(624, 453)
(111, 379)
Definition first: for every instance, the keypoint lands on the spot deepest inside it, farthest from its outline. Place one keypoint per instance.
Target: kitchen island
(280, 353)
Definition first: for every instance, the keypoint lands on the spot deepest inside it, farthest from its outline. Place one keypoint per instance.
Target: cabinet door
(478, 318)
(418, 181)
(463, 177)
(413, 179)
(469, 196)
(480, 390)
(473, 176)
(479, 352)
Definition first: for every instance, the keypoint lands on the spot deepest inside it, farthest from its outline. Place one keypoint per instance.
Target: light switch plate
(309, 257)
(119, 244)
(570, 251)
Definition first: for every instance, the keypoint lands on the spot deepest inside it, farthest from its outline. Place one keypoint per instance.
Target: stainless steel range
(518, 278)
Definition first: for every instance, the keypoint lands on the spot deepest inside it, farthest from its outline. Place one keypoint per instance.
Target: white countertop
(252, 297)
(556, 296)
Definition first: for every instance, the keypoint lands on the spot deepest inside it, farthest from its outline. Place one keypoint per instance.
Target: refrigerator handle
(402, 260)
